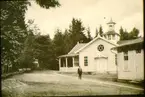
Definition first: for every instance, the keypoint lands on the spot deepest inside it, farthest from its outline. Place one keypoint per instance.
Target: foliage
(101, 31)
(134, 33)
(13, 28)
(64, 42)
(121, 33)
(89, 37)
(43, 50)
(67, 41)
(26, 58)
(47, 3)
(124, 35)
(58, 41)
(76, 30)
(96, 32)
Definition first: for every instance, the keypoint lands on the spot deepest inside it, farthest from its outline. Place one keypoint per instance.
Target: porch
(69, 63)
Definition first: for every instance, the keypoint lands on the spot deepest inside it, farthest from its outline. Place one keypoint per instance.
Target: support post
(59, 63)
(66, 63)
(73, 60)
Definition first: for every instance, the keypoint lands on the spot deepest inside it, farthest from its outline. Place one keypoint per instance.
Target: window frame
(85, 60)
(125, 65)
(125, 54)
(100, 46)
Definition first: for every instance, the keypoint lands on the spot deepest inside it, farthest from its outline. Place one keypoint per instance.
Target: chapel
(94, 56)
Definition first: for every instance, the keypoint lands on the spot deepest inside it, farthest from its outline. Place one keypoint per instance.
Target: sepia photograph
(72, 48)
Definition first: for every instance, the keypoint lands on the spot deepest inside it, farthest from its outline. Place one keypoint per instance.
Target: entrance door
(101, 65)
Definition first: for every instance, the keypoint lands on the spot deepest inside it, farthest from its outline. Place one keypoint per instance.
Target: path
(107, 83)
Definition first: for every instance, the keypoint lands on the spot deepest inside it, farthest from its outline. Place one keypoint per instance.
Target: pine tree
(121, 31)
(96, 32)
(124, 35)
(101, 31)
(89, 35)
(76, 31)
(134, 33)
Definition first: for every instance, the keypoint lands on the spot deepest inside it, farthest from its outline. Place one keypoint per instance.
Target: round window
(100, 47)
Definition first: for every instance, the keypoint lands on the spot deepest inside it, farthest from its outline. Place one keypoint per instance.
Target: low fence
(20, 71)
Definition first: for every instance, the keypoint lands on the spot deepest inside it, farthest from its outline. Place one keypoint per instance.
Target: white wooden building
(130, 59)
(95, 56)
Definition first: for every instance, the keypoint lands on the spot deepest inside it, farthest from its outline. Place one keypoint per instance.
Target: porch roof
(68, 55)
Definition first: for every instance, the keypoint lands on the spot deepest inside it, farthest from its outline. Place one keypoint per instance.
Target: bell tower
(111, 25)
(111, 34)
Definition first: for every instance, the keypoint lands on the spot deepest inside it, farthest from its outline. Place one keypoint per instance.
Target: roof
(111, 22)
(111, 32)
(76, 47)
(99, 37)
(129, 42)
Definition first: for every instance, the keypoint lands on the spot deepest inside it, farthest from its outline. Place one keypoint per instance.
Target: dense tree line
(133, 34)
(14, 30)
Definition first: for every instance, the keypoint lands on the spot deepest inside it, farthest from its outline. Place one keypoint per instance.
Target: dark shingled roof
(76, 47)
(129, 42)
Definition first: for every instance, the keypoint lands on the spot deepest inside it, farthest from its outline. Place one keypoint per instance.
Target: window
(100, 47)
(85, 61)
(126, 65)
(138, 51)
(125, 55)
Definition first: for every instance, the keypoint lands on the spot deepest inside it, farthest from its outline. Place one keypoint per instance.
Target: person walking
(80, 72)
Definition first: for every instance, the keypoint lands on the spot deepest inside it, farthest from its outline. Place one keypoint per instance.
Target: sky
(93, 13)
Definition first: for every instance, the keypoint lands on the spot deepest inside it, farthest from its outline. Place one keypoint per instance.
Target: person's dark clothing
(80, 73)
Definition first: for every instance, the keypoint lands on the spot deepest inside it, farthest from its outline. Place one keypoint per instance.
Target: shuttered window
(85, 61)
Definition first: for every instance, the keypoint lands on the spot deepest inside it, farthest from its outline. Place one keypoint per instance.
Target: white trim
(66, 64)
(73, 61)
(59, 62)
(93, 41)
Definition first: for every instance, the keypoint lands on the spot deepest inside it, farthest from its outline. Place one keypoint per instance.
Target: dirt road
(49, 83)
